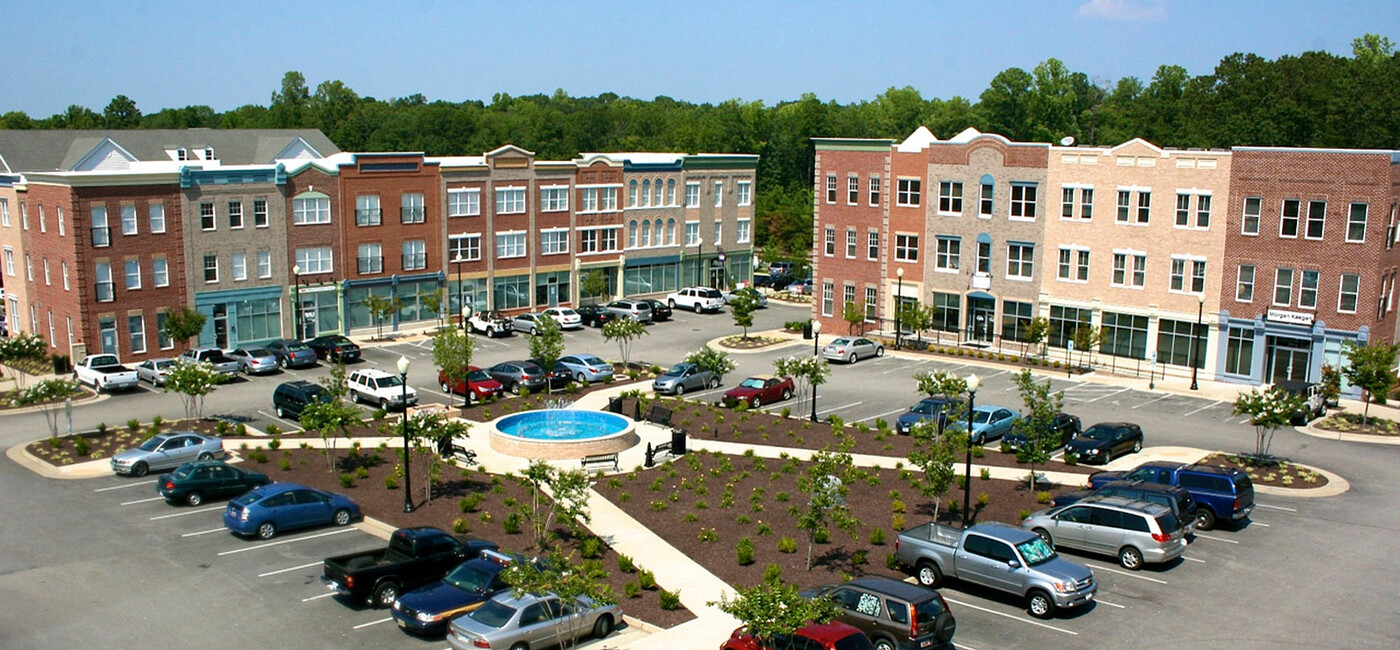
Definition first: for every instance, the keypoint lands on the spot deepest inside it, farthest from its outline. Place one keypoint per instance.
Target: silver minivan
(1137, 532)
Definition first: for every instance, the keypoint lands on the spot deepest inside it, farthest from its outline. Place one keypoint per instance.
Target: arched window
(656, 193)
(671, 226)
(632, 194)
(646, 232)
(632, 232)
(671, 192)
(646, 192)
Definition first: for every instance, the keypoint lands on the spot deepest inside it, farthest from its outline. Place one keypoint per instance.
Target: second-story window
(367, 211)
(411, 209)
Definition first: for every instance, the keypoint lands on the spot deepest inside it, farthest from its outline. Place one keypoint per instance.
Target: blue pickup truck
(1220, 492)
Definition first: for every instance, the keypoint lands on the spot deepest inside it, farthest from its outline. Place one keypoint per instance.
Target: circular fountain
(557, 433)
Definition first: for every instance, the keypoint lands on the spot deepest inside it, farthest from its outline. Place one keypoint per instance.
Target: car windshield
(677, 370)
(1036, 551)
(928, 610)
(923, 408)
(591, 360)
(981, 417)
(493, 613)
(1098, 433)
(752, 382)
(259, 352)
(566, 312)
(248, 499)
(840, 342)
(478, 375)
(468, 578)
(295, 347)
(182, 471)
(387, 382)
(150, 445)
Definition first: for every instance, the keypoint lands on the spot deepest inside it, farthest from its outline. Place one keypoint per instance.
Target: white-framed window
(240, 266)
(264, 264)
(43, 227)
(1023, 201)
(1180, 281)
(69, 320)
(510, 200)
(743, 192)
(101, 234)
(28, 267)
(588, 199)
(1244, 283)
(1249, 218)
(156, 212)
(632, 194)
(315, 260)
(645, 198)
(1144, 206)
(63, 269)
(160, 272)
(368, 211)
(874, 188)
(986, 202)
(1067, 203)
(719, 233)
(742, 231)
(5, 213)
(1129, 269)
(211, 268)
(949, 254)
(1289, 217)
(133, 274)
(206, 216)
(872, 245)
(831, 188)
(1356, 223)
(692, 233)
(692, 195)
(47, 280)
(554, 241)
(598, 240)
(632, 227)
(235, 215)
(369, 259)
(105, 291)
(554, 198)
(1074, 264)
(1307, 289)
(9, 261)
(671, 191)
(1020, 259)
(848, 295)
(1283, 287)
(644, 240)
(609, 195)
(851, 244)
(464, 202)
(1198, 276)
(415, 255)
(260, 213)
(24, 222)
(656, 193)
(671, 231)
(412, 208)
(1317, 219)
(871, 296)
(1125, 199)
(950, 198)
(719, 193)
(828, 297)
(59, 218)
(852, 193)
(907, 193)
(510, 244)
(464, 247)
(311, 208)
(1349, 294)
(906, 248)
(136, 326)
(1203, 210)
(129, 220)
(984, 258)
(829, 241)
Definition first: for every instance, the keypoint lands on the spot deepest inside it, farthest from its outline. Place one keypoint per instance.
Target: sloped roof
(58, 149)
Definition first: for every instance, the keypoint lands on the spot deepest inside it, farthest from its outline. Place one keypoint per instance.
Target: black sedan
(1064, 429)
(595, 315)
(659, 310)
(1105, 441)
(192, 482)
(334, 347)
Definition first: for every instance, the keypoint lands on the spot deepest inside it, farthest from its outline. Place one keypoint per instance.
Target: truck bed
(352, 562)
(935, 533)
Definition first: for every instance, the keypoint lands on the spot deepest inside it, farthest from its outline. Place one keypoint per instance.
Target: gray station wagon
(1136, 532)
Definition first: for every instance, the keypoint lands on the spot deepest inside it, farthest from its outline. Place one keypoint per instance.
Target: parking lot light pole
(1069, 364)
(898, 328)
(461, 289)
(296, 302)
(1200, 311)
(466, 386)
(407, 481)
(973, 381)
(816, 352)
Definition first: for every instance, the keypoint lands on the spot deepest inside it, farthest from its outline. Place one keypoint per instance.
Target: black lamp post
(296, 302)
(816, 336)
(407, 481)
(1200, 311)
(461, 289)
(466, 386)
(699, 261)
(973, 381)
(898, 308)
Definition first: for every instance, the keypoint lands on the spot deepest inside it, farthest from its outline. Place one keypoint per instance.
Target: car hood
(912, 419)
(487, 384)
(437, 597)
(665, 380)
(1100, 478)
(1062, 570)
(130, 455)
(740, 391)
(1081, 445)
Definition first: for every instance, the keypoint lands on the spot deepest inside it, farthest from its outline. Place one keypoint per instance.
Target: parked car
(1105, 441)
(104, 372)
(167, 450)
(759, 390)
(280, 507)
(814, 636)
(155, 370)
(378, 387)
(1137, 532)
(427, 609)
(224, 364)
(928, 408)
(525, 323)
(478, 386)
(779, 268)
(775, 281)
(895, 615)
(659, 310)
(1220, 492)
(851, 349)
(595, 315)
(587, 368)
(684, 377)
(800, 287)
(1314, 405)
(490, 323)
(290, 398)
(567, 318)
(532, 621)
(992, 421)
(1172, 496)
(413, 558)
(1062, 429)
(696, 299)
(334, 347)
(636, 310)
(195, 481)
(515, 374)
(559, 377)
(997, 556)
(292, 354)
(759, 299)
(254, 361)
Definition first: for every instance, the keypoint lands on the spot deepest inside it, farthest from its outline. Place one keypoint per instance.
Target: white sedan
(567, 318)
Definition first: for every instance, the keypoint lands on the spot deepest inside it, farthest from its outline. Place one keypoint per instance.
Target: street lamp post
(898, 308)
(973, 381)
(296, 302)
(1069, 351)
(461, 289)
(407, 481)
(699, 260)
(1152, 375)
(1200, 311)
(466, 387)
(816, 352)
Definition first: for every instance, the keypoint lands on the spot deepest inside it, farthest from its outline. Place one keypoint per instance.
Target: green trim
(852, 144)
(720, 162)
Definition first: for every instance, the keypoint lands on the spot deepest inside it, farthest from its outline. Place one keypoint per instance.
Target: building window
(264, 264)
(871, 296)
(948, 314)
(1283, 287)
(692, 233)
(1178, 283)
(743, 192)
(1015, 319)
(597, 240)
(47, 281)
(1174, 343)
(1317, 215)
(632, 234)
(1356, 223)
(510, 244)
(466, 202)
(1067, 203)
(831, 188)
(101, 234)
(848, 297)
(719, 233)
(1183, 210)
(28, 267)
(741, 231)
(949, 254)
(415, 255)
(1074, 264)
(645, 197)
(1125, 202)
(719, 193)
(206, 216)
(59, 218)
(1124, 335)
(133, 274)
(512, 292)
(511, 200)
(1307, 290)
(632, 193)
(1288, 222)
(105, 291)
(645, 239)
(1144, 206)
(259, 213)
(554, 199)
(908, 192)
(830, 241)
(465, 248)
(692, 195)
(984, 257)
(555, 242)
(588, 199)
(1023, 201)
(872, 245)
(315, 260)
(136, 327)
(5, 213)
(369, 259)
(1020, 258)
(1249, 222)
(1064, 321)
(235, 214)
(211, 268)
(63, 267)
(69, 321)
(906, 248)
(411, 208)
(986, 204)
(852, 190)
(874, 185)
(1244, 283)
(1086, 203)
(1348, 296)
(1120, 269)
(128, 220)
(1239, 351)
(609, 196)
(165, 342)
(950, 198)
(367, 211)
(1202, 210)
(1198, 276)
(828, 296)
(851, 243)
(160, 272)
(9, 261)
(311, 210)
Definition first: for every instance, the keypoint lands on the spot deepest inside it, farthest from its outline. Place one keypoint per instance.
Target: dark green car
(194, 482)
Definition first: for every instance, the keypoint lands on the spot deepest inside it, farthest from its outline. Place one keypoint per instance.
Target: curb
(1336, 486)
(100, 397)
(1341, 436)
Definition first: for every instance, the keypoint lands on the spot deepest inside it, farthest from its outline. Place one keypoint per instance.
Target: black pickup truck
(414, 557)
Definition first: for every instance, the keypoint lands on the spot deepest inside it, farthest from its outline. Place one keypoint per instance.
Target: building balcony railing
(368, 217)
(101, 236)
(368, 265)
(411, 215)
(105, 292)
(415, 261)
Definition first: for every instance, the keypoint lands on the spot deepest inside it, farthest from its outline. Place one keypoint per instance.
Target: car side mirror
(1013, 563)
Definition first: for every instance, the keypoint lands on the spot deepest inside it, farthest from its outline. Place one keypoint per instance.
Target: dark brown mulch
(64, 449)
(7, 397)
(1343, 422)
(486, 520)
(751, 342)
(1271, 474)
(680, 499)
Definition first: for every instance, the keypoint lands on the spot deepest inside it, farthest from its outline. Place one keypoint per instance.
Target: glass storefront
(511, 292)
(551, 288)
(1124, 335)
(259, 319)
(650, 278)
(357, 312)
(1064, 321)
(412, 306)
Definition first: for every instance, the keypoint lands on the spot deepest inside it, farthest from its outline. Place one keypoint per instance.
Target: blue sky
(226, 54)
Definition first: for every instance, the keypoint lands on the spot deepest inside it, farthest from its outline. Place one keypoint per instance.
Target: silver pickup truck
(1000, 557)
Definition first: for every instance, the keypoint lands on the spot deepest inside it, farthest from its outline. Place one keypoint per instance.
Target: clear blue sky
(227, 54)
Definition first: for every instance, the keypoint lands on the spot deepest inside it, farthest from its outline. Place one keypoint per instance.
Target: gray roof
(40, 150)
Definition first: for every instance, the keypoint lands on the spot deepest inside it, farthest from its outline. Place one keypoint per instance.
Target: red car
(759, 390)
(481, 385)
(829, 636)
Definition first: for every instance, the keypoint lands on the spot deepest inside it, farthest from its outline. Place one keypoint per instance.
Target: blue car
(928, 408)
(586, 368)
(428, 609)
(992, 421)
(274, 508)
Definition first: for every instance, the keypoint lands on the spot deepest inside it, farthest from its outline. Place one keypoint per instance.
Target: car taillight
(913, 623)
(1237, 504)
(1160, 537)
(349, 582)
(480, 643)
(169, 485)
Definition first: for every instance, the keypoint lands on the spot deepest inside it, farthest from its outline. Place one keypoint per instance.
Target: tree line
(1314, 99)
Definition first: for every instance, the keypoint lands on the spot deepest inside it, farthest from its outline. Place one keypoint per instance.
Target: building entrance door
(981, 315)
(221, 325)
(717, 277)
(1289, 359)
(552, 292)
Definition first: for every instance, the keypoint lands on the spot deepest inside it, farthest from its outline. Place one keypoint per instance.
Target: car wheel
(267, 530)
(671, 304)
(852, 358)
(206, 456)
(787, 394)
(755, 402)
(342, 517)
(282, 363)
(1205, 519)
(386, 594)
(680, 389)
(929, 575)
(1137, 446)
(602, 627)
(140, 469)
(194, 498)
(515, 388)
(944, 626)
(1040, 604)
(445, 388)
(520, 646)
(384, 404)
(281, 412)
(580, 378)
(880, 351)
(1045, 535)
(1130, 558)
(883, 644)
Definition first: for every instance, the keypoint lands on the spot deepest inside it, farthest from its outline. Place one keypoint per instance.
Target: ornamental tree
(1371, 369)
(332, 415)
(452, 354)
(774, 609)
(716, 361)
(546, 346)
(1268, 410)
(193, 381)
(50, 396)
(624, 331)
(1038, 421)
(25, 354)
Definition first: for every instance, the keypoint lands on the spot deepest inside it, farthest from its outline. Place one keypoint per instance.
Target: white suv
(696, 299)
(379, 387)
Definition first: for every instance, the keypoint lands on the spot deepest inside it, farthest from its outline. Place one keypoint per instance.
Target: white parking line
(1092, 387)
(1154, 401)
(876, 417)
(295, 568)
(996, 374)
(1265, 505)
(1255, 523)
(1104, 602)
(1011, 616)
(365, 625)
(285, 541)
(325, 595)
(187, 512)
(1210, 405)
(838, 408)
(123, 487)
(1129, 574)
(898, 368)
(130, 503)
(1192, 559)
(962, 647)
(1121, 390)
(1218, 539)
(205, 532)
(438, 393)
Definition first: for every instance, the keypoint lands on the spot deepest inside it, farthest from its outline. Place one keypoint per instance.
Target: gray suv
(1136, 532)
(894, 614)
(637, 310)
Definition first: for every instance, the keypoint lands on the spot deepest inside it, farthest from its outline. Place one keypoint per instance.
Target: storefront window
(512, 292)
(1015, 319)
(1239, 351)
(1064, 321)
(259, 319)
(949, 315)
(1124, 335)
(1174, 343)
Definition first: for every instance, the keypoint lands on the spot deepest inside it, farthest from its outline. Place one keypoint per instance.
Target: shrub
(273, 430)
(1023, 513)
(821, 536)
(285, 464)
(624, 497)
(1005, 447)
(979, 451)
(659, 505)
(669, 600)
(690, 518)
(347, 480)
(1042, 497)
(470, 502)
(892, 561)
(391, 482)
(485, 516)
(101, 428)
(1071, 458)
(787, 545)
(511, 524)
(274, 444)
(983, 499)
(986, 474)
(241, 429)
(742, 519)
(157, 420)
(877, 536)
(743, 551)
(962, 482)
(860, 557)
(897, 506)
(772, 573)
(646, 580)
(708, 535)
(460, 526)
(781, 497)
(133, 425)
(591, 548)
(897, 521)
(763, 529)
(80, 447)
(260, 457)
(632, 590)
(625, 564)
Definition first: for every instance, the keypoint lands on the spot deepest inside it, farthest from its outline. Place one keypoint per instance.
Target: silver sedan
(167, 450)
(852, 349)
(254, 361)
(531, 622)
(155, 370)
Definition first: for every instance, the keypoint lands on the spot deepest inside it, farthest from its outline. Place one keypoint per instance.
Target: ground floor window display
(512, 292)
(551, 288)
(416, 300)
(1174, 346)
(948, 317)
(320, 311)
(1124, 335)
(1063, 323)
(471, 292)
(357, 308)
(650, 278)
(1016, 319)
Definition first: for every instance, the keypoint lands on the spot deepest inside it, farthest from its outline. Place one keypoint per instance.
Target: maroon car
(759, 390)
(478, 386)
(828, 636)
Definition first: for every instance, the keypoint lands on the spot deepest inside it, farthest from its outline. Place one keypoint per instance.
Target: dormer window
(208, 153)
(182, 154)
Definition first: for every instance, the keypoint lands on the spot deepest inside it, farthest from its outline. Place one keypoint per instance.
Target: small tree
(452, 354)
(566, 577)
(1035, 334)
(854, 315)
(1331, 384)
(827, 482)
(742, 307)
(1268, 410)
(566, 499)
(1038, 420)
(773, 609)
(193, 382)
(183, 324)
(595, 285)
(917, 317)
(332, 415)
(50, 396)
(716, 361)
(1371, 370)
(379, 309)
(809, 372)
(426, 433)
(624, 331)
(1086, 338)
(546, 346)
(433, 303)
(24, 354)
(941, 383)
(935, 452)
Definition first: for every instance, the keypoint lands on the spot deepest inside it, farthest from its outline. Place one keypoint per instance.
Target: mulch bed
(1281, 474)
(751, 342)
(95, 445)
(6, 397)
(727, 498)
(1355, 423)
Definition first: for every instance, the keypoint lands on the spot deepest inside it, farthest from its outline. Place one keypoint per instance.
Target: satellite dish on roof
(1067, 141)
